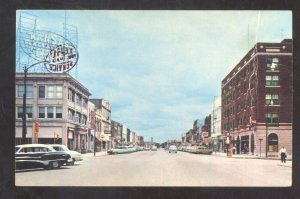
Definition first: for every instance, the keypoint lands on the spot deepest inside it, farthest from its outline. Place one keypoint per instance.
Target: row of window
(77, 98)
(272, 119)
(77, 117)
(44, 91)
(272, 64)
(271, 99)
(43, 112)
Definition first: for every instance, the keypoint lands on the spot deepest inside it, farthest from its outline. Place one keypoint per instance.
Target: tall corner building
(257, 101)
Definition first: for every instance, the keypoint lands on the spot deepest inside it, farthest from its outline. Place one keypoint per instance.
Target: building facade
(103, 113)
(60, 105)
(257, 101)
(216, 130)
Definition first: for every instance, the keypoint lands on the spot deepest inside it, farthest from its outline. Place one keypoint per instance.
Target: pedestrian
(283, 154)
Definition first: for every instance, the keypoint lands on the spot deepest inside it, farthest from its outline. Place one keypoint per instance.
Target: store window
(273, 143)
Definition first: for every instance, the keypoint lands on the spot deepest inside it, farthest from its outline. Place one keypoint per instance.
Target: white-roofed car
(39, 155)
(76, 156)
(173, 149)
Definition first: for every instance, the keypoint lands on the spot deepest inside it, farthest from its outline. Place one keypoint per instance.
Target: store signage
(57, 53)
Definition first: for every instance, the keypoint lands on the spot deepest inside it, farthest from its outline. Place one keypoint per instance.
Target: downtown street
(161, 168)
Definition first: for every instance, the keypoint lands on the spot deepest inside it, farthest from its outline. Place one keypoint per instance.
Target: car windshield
(17, 148)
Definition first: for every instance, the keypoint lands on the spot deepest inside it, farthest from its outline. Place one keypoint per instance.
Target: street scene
(154, 98)
(161, 168)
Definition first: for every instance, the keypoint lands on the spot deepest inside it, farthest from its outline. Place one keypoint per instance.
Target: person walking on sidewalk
(283, 154)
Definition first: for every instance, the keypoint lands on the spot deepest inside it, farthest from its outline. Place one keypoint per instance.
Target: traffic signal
(36, 126)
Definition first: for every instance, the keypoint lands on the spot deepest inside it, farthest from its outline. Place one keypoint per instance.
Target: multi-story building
(59, 103)
(91, 126)
(206, 131)
(104, 119)
(197, 131)
(216, 132)
(257, 100)
(116, 129)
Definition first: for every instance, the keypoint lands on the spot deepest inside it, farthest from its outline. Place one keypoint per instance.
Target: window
(41, 112)
(58, 112)
(272, 119)
(272, 99)
(272, 66)
(273, 143)
(42, 92)
(78, 99)
(272, 80)
(59, 91)
(50, 91)
(28, 112)
(71, 114)
(29, 91)
(77, 117)
(50, 113)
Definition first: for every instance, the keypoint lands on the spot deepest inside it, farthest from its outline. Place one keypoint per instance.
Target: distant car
(173, 149)
(121, 150)
(201, 150)
(39, 155)
(76, 156)
(153, 148)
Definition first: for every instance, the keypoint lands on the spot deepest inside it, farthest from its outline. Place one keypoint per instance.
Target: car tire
(71, 163)
(54, 165)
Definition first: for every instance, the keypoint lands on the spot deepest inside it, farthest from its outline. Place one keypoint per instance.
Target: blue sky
(160, 70)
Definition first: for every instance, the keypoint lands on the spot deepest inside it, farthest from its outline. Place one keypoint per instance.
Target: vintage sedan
(121, 150)
(39, 155)
(173, 149)
(200, 150)
(76, 156)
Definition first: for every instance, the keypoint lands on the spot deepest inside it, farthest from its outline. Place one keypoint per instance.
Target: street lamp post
(260, 139)
(267, 109)
(24, 125)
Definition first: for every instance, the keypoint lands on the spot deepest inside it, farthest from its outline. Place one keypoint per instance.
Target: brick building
(258, 91)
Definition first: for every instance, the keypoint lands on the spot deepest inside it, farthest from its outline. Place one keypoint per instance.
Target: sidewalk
(246, 156)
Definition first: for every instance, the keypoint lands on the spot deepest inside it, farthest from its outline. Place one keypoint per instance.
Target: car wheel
(71, 163)
(54, 165)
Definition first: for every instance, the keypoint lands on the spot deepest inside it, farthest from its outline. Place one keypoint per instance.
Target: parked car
(76, 156)
(39, 155)
(121, 149)
(153, 148)
(173, 149)
(201, 150)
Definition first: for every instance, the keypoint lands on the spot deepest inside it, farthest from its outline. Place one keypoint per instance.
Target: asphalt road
(160, 168)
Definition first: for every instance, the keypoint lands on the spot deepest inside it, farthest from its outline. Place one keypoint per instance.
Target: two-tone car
(39, 155)
(201, 150)
(121, 150)
(76, 156)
